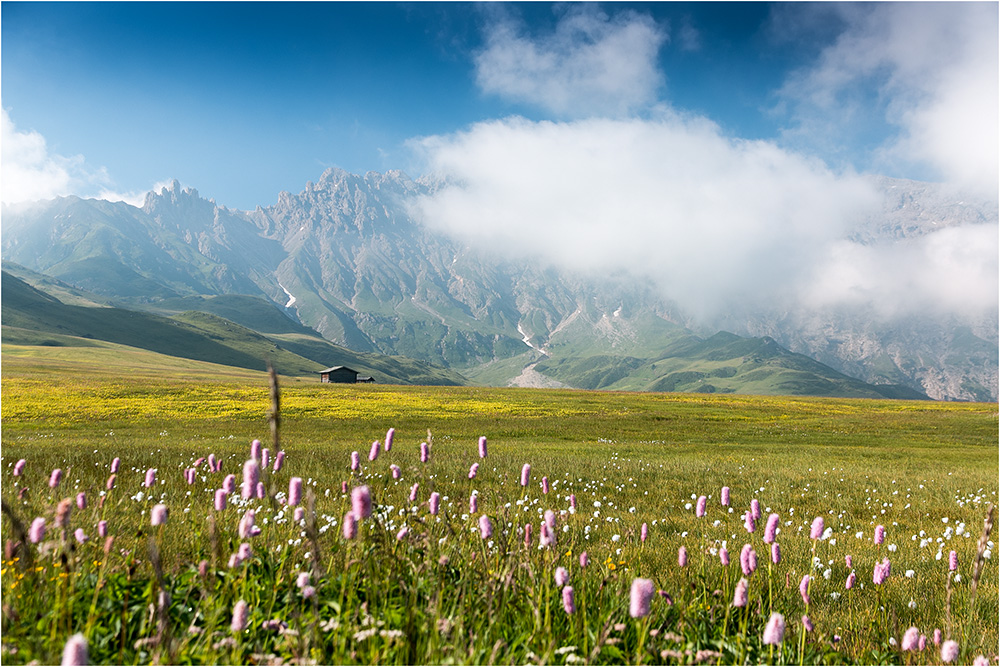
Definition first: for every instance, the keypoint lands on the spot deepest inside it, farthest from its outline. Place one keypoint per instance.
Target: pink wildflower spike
(211, 463)
(229, 483)
(115, 464)
(911, 639)
(19, 467)
(396, 471)
(308, 591)
(774, 632)
(949, 651)
(350, 526)
(879, 534)
(245, 551)
(922, 642)
(755, 509)
(701, 506)
(389, 435)
(63, 510)
(572, 501)
(748, 560)
(261, 491)
(434, 502)
(981, 661)
(240, 613)
(937, 636)
(807, 624)
(546, 538)
(220, 499)
(771, 528)
(473, 503)
(527, 535)
(294, 491)
(485, 527)
(403, 532)
(355, 461)
(251, 475)
(640, 597)
(682, 557)
(198, 461)
(724, 557)
(561, 576)
(413, 492)
(550, 519)
(75, 651)
(804, 589)
(299, 515)
(584, 560)
(643, 532)
(374, 451)
(482, 446)
(81, 500)
(848, 561)
(265, 457)
(247, 524)
(952, 561)
(525, 474)
(741, 594)
(748, 522)
(425, 452)
(725, 496)
(255, 448)
(473, 470)
(55, 478)
(102, 528)
(279, 460)
(361, 502)
(849, 584)
(569, 605)
(775, 553)
(343, 487)
(158, 515)
(816, 531)
(80, 536)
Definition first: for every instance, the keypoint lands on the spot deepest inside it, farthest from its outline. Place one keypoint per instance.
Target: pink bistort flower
(640, 596)
(774, 631)
(294, 491)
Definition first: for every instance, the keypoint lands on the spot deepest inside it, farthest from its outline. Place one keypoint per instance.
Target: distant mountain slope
(344, 258)
(33, 317)
(724, 363)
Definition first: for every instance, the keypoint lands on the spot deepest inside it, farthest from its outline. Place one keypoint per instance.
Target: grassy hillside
(32, 317)
(723, 363)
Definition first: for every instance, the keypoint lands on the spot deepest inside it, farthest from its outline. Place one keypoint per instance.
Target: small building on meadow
(341, 374)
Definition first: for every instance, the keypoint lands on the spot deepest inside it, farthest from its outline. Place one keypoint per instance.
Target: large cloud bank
(721, 223)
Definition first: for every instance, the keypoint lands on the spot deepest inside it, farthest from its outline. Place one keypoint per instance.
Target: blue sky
(242, 100)
(728, 141)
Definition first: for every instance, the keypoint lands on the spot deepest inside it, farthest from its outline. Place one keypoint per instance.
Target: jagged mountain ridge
(346, 259)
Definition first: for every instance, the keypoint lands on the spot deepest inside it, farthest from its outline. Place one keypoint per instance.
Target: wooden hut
(341, 374)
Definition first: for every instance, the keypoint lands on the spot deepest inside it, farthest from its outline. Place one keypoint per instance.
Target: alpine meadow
(634, 333)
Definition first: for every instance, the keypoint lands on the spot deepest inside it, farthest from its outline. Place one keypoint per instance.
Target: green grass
(442, 594)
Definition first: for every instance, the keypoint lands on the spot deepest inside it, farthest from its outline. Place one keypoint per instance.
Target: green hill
(33, 317)
(723, 363)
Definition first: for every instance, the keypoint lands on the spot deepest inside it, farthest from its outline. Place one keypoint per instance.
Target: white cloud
(934, 70)
(714, 221)
(590, 64)
(29, 172)
(953, 270)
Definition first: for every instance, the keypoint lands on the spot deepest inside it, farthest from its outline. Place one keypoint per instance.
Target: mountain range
(344, 264)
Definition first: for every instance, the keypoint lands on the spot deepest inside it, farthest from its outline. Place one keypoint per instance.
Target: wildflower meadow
(177, 521)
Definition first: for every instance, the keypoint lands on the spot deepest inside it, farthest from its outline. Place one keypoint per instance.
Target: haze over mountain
(352, 257)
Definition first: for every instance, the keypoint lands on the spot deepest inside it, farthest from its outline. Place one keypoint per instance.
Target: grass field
(442, 593)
